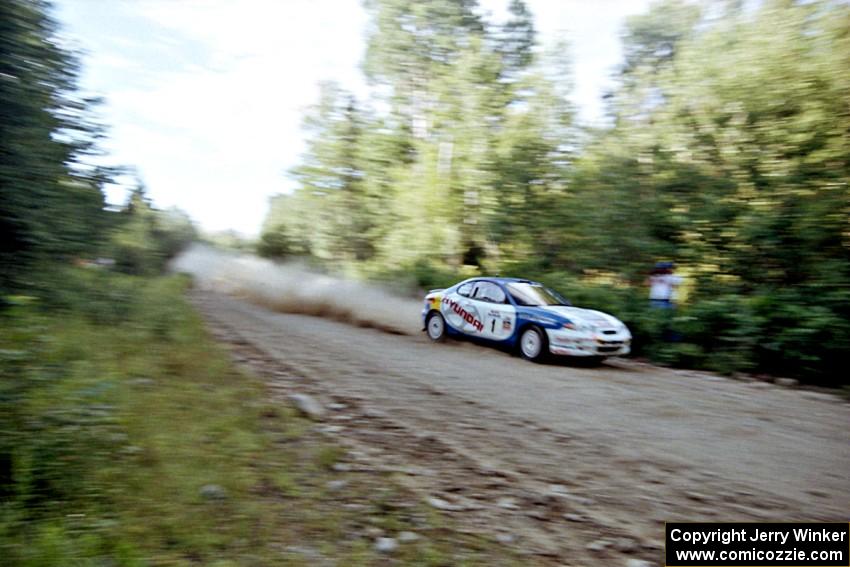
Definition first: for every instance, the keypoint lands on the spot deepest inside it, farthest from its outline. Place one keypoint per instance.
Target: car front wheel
(435, 326)
(533, 344)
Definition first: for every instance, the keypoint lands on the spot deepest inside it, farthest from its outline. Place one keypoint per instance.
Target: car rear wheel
(435, 326)
(533, 345)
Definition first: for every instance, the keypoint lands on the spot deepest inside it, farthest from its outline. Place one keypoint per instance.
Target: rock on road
(565, 463)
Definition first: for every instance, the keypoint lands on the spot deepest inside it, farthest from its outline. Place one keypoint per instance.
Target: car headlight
(580, 327)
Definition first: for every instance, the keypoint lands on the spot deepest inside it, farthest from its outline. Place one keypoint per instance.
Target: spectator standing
(662, 285)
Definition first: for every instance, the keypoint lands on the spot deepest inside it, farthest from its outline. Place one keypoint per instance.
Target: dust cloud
(292, 288)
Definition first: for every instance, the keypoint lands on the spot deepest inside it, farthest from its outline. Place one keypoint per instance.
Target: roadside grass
(127, 437)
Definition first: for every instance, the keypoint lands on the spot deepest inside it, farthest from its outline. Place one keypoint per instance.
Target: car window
(535, 295)
(488, 291)
(465, 289)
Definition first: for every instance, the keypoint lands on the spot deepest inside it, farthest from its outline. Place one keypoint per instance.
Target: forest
(726, 151)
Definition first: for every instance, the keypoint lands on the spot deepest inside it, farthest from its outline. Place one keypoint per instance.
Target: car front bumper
(569, 343)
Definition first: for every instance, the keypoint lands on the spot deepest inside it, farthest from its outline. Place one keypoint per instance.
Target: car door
(459, 313)
(497, 314)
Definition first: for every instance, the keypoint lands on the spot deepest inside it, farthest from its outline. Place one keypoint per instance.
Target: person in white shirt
(662, 285)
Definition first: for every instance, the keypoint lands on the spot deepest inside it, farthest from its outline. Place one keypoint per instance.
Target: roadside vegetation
(726, 150)
(127, 437)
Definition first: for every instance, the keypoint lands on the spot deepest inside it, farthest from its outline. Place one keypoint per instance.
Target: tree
(331, 210)
(145, 238)
(50, 203)
(651, 40)
(274, 243)
(475, 137)
(411, 44)
(650, 44)
(516, 39)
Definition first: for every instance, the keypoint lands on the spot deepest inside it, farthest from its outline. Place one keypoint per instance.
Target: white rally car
(524, 314)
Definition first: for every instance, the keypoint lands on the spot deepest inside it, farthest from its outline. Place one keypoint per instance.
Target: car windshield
(535, 295)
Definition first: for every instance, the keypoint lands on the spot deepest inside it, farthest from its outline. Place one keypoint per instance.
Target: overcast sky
(205, 97)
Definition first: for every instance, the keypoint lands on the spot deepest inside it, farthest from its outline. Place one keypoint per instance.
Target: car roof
(502, 280)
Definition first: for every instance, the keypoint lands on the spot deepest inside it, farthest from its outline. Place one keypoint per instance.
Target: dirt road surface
(567, 464)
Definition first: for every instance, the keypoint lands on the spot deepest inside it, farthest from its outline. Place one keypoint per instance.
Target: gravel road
(570, 465)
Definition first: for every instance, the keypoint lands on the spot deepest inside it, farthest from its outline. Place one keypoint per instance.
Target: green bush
(102, 296)
(802, 336)
(66, 359)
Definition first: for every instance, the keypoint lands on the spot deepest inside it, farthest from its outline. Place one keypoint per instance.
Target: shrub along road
(559, 461)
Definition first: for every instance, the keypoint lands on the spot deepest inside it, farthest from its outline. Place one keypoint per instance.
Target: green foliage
(274, 243)
(229, 240)
(413, 42)
(652, 39)
(144, 238)
(50, 205)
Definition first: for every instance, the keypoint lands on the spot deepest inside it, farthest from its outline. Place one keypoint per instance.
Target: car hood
(586, 316)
